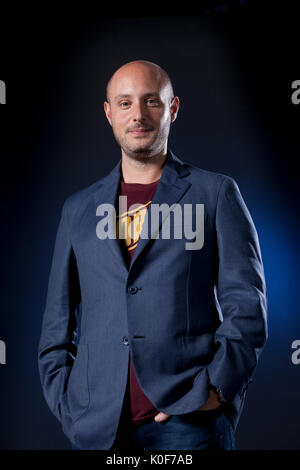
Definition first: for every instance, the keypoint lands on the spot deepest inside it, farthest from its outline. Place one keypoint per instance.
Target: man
(149, 341)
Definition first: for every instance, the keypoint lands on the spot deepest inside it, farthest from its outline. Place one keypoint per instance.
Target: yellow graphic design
(130, 224)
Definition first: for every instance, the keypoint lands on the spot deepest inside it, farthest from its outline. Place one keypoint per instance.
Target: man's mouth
(139, 131)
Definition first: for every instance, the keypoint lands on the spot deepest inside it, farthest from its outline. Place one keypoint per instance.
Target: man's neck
(143, 172)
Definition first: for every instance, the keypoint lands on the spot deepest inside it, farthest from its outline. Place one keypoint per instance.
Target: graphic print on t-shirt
(130, 223)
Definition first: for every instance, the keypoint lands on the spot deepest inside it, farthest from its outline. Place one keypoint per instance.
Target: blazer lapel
(170, 190)
(107, 194)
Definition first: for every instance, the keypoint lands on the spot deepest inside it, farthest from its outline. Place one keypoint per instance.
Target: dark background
(232, 66)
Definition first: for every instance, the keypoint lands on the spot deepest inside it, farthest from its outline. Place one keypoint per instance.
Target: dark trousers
(199, 430)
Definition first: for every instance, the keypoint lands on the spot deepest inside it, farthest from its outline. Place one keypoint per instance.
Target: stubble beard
(143, 154)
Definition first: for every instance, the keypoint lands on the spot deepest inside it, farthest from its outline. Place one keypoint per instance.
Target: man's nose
(138, 112)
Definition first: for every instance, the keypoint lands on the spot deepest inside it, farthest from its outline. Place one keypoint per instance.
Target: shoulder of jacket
(78, 200)
(83, 193)
(211, 177)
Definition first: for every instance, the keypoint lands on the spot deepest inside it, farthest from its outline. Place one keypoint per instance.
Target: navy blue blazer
(187, 318)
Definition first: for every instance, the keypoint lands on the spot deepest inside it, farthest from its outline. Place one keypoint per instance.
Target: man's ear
(107, 111)
(174, 107)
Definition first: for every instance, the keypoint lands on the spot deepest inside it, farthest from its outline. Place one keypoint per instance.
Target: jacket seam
(218, 195)
(188, 297)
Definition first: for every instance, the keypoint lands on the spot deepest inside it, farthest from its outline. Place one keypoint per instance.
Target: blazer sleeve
(241, 294)
(57, 349)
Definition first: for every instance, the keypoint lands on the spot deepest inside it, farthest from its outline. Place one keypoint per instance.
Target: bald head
(138, 66)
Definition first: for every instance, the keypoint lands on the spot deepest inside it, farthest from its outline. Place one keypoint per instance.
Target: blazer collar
(170, 190)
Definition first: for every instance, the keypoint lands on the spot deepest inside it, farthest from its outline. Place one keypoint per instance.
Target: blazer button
(125, 340)
(132, 290)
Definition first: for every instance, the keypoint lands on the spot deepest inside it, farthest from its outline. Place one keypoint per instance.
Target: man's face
(140, 110)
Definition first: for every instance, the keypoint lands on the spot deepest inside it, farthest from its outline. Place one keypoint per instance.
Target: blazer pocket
(78, 390)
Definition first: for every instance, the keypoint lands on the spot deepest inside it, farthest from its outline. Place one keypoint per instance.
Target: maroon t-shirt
(141, 409)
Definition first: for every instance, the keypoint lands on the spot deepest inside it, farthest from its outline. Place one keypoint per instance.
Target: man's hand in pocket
(212, 403)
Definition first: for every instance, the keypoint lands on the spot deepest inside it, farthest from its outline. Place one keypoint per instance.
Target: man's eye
(124, 104)
(152, 102)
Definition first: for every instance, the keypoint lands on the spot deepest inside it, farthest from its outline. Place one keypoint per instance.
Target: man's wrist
(219, 393)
